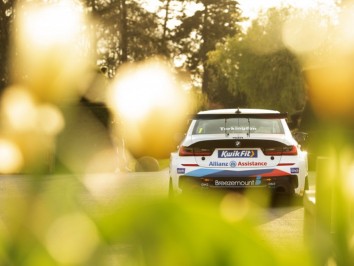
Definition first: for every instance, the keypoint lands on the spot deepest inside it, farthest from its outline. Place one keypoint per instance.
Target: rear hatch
(238, 140)
(238, 153)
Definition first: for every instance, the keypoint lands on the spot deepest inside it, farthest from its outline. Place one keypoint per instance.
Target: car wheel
(306, 187)
(170, 189)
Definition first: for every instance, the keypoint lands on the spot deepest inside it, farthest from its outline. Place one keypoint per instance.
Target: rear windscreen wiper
(225, 129)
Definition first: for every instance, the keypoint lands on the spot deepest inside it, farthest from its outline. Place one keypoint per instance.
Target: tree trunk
(164, 49)
(204, 49)
(4, 43)
(123, 31)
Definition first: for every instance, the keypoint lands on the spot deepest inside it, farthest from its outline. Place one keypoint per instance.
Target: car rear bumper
(281, 184)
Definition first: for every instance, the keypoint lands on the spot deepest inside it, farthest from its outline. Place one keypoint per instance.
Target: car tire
(306, 186)
(170, 189)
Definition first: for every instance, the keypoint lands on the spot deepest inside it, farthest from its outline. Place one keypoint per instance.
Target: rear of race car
(239, 161)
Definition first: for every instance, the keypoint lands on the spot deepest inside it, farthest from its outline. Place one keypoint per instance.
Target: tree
(124, 30)
(198, 34)
(256, 65)
(6, 15)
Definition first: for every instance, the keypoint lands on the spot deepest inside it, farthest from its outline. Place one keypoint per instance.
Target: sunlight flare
(11, 160)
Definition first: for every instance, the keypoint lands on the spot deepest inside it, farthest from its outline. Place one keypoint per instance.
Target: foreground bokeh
(71, 217)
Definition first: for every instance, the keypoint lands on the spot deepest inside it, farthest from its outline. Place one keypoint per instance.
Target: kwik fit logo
(237, 154)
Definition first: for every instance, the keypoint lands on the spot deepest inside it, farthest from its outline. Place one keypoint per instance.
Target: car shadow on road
(284, 201)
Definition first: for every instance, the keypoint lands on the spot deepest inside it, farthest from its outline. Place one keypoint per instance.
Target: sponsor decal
(238, 154)
(252, 164)
(294, 170)
(238, 183)
(181, 170)
(233, 164)
(219, 183)
(258, 180)
(238, 128)
(219, 164)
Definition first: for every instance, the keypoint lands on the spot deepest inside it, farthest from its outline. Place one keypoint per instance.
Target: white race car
(237, 149)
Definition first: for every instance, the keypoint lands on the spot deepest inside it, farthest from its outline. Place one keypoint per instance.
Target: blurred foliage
(193, 231)
(200, 101)
(256, 70)
(84, 219)
(59, 224)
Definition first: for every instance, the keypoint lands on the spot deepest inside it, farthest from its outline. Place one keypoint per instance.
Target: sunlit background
(95, 92)
(151, 105)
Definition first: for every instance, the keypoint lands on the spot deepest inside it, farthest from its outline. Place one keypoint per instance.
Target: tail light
(289, 150)
(279, 151)
(187, 151)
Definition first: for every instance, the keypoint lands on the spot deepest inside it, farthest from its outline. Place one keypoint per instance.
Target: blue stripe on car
(226, 173)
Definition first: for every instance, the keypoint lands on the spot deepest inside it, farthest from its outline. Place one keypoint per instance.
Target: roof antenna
(238, 111)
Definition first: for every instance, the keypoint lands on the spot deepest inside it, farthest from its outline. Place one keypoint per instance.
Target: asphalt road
(281, 223)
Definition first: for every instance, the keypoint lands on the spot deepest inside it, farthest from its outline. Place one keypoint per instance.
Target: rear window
(238, 125)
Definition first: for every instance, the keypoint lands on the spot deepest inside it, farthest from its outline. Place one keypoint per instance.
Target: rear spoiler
(226, 116)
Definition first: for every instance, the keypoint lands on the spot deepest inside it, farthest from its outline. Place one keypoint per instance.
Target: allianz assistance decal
(234, 164)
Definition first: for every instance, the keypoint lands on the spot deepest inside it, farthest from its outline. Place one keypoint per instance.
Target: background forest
(226, 63)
